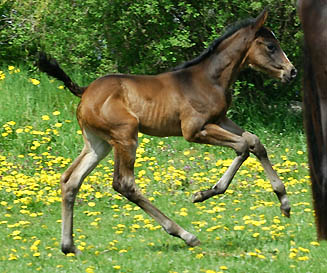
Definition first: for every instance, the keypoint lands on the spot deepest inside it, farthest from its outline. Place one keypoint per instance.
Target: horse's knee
(255, 145)
(220, 188)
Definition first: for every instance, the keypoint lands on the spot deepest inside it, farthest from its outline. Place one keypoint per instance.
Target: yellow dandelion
(45, 117)
(56, 113)
(304, 249)
(15, 232)
(11, 123)
(239, 227)
(292, 255)
(34, 81)
(146, 140)
(89, 270)
(58, 125)
(81, 248)
(11, 67)
(223, 267)
(12, 257)
(199, 256)
(117, 267)
(91, 204)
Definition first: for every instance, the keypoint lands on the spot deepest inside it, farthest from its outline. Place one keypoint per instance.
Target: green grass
(240, 231)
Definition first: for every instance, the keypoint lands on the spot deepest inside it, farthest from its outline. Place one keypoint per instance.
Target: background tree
(97, 37)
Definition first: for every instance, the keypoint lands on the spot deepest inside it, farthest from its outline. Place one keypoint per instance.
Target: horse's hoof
(286, 211)
(197, 197)
(72, 249)
(193, 241)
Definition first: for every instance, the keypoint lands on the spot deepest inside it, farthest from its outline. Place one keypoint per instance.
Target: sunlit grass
(240, 231)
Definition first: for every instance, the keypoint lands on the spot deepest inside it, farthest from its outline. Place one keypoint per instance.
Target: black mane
(207, 52)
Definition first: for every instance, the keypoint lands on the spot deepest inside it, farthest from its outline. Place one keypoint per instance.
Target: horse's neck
(225, 65)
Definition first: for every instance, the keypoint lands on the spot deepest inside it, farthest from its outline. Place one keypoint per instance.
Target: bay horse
(189, 101)
(313, 17)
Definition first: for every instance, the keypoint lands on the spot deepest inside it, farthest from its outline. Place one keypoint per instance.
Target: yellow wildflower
(45, 117)
(56, 113)
(34, 81)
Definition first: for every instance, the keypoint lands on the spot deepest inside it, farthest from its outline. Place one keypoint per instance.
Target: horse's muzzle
(290, 75)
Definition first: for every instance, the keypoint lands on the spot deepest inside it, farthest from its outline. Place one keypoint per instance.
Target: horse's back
(153, 101)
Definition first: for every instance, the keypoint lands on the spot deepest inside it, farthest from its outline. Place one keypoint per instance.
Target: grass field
(241, 231)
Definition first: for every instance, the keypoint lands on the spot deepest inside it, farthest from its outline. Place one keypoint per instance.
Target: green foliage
(97, 37)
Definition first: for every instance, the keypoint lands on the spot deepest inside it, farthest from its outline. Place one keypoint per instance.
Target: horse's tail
(52, 68)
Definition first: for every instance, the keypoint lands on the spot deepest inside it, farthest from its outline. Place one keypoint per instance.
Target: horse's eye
(272, 48)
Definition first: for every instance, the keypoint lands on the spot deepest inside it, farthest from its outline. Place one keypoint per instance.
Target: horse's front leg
(228, 134)
(260, 152)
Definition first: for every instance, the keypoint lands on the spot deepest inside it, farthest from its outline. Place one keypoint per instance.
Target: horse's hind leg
(260, 152)
(124, 183)
(94, 150)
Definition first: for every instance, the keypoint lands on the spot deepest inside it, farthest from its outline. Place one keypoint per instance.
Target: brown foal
(190, 101)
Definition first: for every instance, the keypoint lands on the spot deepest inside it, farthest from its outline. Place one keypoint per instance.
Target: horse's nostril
(293, 73)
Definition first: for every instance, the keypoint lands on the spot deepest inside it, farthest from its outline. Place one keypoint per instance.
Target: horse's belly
(161, 129)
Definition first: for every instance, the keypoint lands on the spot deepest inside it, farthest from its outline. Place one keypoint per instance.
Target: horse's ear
(260, 20)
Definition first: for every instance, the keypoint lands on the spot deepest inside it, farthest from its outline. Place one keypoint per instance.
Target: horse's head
(265, 53)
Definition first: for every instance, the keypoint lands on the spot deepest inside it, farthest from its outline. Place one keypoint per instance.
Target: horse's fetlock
(170, 229)
(67, 248)
(280, 189)
(219, 188)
